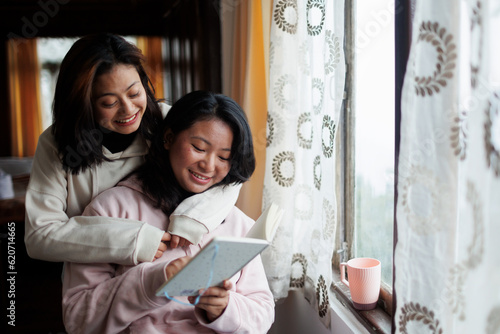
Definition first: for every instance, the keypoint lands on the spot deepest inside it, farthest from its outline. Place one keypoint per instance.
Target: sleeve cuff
(148, 240)
(229, 321)
(187, 228)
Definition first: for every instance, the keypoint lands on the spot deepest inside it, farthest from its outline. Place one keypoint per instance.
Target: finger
(215, 291)
(158, 254)
(174, 241)
(185, 242)
(227, 284)
(218, 291)
(162, 247)
(166, 236)
(176, 265)
(213, 306)
(180, 262)
(207, 302)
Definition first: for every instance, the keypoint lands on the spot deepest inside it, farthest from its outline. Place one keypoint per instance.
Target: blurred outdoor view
(374, 141)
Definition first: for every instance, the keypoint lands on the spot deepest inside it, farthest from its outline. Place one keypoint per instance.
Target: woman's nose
(208, 163)
(127, 106)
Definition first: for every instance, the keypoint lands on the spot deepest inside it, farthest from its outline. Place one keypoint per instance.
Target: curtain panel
(447, 270)
(306, 85)
(244, 35)
(151, 48)
(24, 96)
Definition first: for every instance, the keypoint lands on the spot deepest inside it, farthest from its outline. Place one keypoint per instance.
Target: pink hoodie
(110, 298)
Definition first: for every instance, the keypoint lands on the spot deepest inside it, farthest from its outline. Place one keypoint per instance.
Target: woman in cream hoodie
(104, 115)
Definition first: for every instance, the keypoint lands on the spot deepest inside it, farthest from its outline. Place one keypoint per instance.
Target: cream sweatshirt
(55, 200)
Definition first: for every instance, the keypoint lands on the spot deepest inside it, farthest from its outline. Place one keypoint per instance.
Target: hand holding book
(223, 257)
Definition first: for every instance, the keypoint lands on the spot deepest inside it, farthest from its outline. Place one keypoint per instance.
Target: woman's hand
(214, 301)
(176, 265)
(177, 241)
(163, 246)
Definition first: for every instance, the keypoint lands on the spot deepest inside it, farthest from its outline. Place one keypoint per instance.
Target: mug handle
(342, 273)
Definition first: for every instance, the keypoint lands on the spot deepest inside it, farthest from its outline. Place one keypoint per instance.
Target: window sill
(377, 320)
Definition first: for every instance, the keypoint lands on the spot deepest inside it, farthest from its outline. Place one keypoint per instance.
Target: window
(367, 139)
(51, 52)
(366, 143)
(374, 133)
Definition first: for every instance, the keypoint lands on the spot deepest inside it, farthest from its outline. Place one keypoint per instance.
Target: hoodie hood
(133, 183)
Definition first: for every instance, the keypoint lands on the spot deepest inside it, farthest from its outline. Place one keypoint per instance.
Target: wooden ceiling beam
(57, 18)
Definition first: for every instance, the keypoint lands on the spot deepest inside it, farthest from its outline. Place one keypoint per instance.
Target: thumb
(228, 285)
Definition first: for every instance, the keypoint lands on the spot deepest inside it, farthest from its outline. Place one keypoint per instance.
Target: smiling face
(119, 99)
(200, 155)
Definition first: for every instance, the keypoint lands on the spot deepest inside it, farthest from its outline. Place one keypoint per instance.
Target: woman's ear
(168, 139)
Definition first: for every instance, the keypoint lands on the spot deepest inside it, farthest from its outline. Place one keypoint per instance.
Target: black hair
(76, 132)
(156, 173)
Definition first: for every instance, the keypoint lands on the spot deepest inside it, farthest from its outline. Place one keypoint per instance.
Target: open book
(223, 257)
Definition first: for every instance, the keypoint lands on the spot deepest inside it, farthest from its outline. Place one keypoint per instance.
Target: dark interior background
(191, 29)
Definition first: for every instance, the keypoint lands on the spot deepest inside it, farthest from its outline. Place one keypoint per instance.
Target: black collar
(117, 142)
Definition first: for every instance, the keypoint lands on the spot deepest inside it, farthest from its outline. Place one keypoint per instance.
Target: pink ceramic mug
(364, 281)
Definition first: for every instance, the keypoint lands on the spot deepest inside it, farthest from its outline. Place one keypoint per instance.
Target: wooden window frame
(381, 319)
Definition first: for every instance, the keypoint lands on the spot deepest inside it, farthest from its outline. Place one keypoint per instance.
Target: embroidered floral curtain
(245, 39)
(307, 74)
(447, 259)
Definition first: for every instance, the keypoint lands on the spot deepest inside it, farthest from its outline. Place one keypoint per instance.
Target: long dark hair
(76, 132)
(156, 173)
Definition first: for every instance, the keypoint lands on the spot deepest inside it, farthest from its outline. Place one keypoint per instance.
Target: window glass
(374, 133)
(51, 52)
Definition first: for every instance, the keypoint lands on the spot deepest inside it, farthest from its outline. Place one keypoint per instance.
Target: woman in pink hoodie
(205, 142)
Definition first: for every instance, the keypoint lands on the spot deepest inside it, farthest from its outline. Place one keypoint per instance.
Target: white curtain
(447, 259)
(307, 73)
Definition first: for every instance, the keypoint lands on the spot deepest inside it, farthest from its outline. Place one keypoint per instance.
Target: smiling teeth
(127, 120)
(199, 176)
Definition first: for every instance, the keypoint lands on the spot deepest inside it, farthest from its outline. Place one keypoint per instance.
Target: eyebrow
(126, 90)
(209, 143)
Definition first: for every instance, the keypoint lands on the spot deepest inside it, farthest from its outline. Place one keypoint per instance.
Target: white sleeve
(51, 235)
(202, 213)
